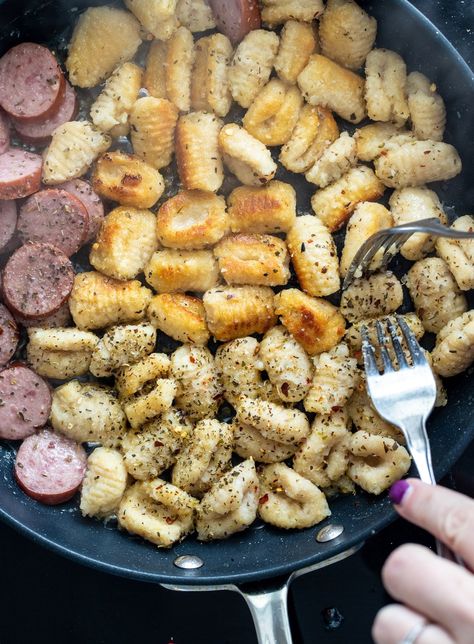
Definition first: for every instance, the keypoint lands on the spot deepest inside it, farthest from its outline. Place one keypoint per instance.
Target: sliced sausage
(37, 280)
(50, 467)
(61, 318)
(40, 132)
(20, 173)
(8, 218)
(9, 335)
(91, 200)
(31, 82)
(25, 402)
(56, 217)
(235, 18)
(4, 132)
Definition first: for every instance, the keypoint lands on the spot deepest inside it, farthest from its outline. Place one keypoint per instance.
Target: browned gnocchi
(269, 209)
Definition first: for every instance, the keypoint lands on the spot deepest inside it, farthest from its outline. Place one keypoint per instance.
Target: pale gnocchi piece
(253, 259)
(113, 105)
(171, 270)
(250, 443)
(323, 457)
(364, 417)
(314, 322)
(441, 393)
(104, 483)
(273, 113)
(251, 65)
(199, 387)
(122, 345)
(370, 297)
(427, 109)
(204, 458)
(335, 203)
(435, 294)
(157, 511)
(323, 82)
(335, 161)
(73, 149)
(98, 301)
(210, 89)
(385, 87)
(277, 12)
(60, 352)
(197, 151)
(156, 16)
(376, 461)
(179, 67)
(87, 411)
(131, 378)
(315, 130)
(231, 504)
(127, 179)
(459, 253)
(269, 209)
(192, 219)
(314, 256)
(371, 139)
(413, 163)
(195, 15)
(180, 316)
(289, 500)
(154, 77)
(335, 378)
(125, 243)
(237, 311)
(150, 450)
(150, 402)
(347, 33)
(246, 156)
(289, 369)
(273, 420)
(368, 218)
(153, 123)
(298, 40)
(414, 204)
(454, 350)
(103, 38)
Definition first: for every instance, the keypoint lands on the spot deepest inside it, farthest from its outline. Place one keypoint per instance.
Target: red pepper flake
(336, 408)
(263, 499)
(284, 388)
(158, 444)
(170, 520)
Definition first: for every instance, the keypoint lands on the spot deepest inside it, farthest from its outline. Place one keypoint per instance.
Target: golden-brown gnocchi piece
(122, 345)
(131, 378)
(251, 65)
(113, 105)
(210, 89)
(192, 219)
(347, 33)
(427, 109)
(364, 416)
(459, 253)
(236, 311)
(277, 12)
(195, 15)
(204, 458)
(314, 256)
(376, 461)
(103, 38)
(289, 369)
(253, 259)
(323, 82)
(73, 149)
(156, 16)
(376, 295)
(269, 209)
(98, 301)
(335, 161)
(154, 78)
(250, 443)
(179, 67)
(180, 316)
(435, 294)
(273, 113)
(197, 151)
(153, 123)
(298, 40)
(60, 352)
(125, 243)
(288, 500)
(335, 203)
(371, 139)
(171, 270)
(231, 504)
(314, 322)
(246, 156)
(454, 350)
(385, 87)
(127, 179)
(273, 420)
(104, 483)
(152, 401)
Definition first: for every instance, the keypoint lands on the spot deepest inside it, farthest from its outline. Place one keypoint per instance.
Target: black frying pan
(261, 552)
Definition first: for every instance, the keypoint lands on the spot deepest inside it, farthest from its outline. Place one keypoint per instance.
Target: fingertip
(400, 491)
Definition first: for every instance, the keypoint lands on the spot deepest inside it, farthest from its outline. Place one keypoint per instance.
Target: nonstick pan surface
(261, 552)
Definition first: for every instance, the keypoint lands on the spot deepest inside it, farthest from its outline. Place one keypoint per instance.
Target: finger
(394, 622)
(434, 587)
(449, 516)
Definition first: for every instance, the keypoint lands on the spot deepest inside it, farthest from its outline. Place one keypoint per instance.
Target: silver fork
(390, 240)
(404, 395)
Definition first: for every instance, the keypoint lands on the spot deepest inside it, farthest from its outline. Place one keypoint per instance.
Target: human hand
(433, 592)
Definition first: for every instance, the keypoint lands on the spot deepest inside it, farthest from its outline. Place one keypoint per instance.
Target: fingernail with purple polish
(398, 491)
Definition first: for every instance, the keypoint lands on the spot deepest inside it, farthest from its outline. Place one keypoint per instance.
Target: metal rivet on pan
(329, 532)
(188, 562)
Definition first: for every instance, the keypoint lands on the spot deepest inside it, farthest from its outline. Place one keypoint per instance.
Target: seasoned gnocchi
(210, 89)
(276, 12)
(179, 66)
(60, 352)
(156, 16)
(454, 349)
(246, 156)
(427, 109)
(171, 270)
(371, 139)
(130, 378)
(273, 420)
(298, 40)
(104, 483)
(154, 77)
(250, 443)
(153, 123)
(335, 161)
(370, 297)
(180, 316)
(152, 401)
(112, 107)
(364, 417)
(122, 345)
(459, 253)
(385, 87)
(269, 209)
(195, 15)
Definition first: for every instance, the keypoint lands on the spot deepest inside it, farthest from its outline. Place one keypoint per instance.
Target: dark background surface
(46, 598)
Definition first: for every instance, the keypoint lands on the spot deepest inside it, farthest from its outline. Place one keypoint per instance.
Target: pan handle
(270, 614)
